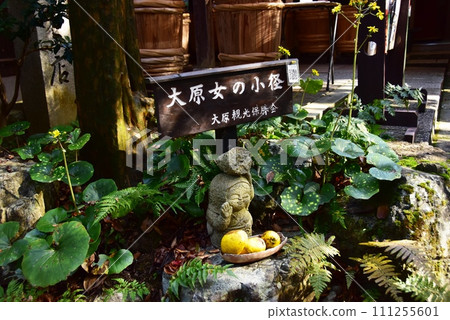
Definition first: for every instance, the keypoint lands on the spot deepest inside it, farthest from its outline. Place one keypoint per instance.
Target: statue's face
(239, 196)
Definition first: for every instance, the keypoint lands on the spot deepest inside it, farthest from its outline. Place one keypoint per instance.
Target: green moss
(409, 162)
(408, 188)
(418, 197)
(414, 221)
(427, 187)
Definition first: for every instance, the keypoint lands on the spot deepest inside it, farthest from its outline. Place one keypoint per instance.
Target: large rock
(264, 280)
(416, 207)
(21, 199)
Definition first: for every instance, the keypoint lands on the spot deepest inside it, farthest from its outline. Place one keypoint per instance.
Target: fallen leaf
(269, 176)
(382, 211)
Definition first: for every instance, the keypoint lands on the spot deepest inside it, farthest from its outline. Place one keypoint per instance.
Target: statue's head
(239, 195)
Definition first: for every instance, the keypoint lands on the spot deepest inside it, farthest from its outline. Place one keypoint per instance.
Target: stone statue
(230, 194)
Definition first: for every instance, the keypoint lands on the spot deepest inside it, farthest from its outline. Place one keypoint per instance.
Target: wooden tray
(252, 257)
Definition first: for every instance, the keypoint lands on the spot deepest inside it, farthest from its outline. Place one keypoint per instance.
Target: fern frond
(379, 269)
(192, 272)
(406, 250)
(309, 249)
(121, 202)
(319, 277)
(424, 288)
(349, 278)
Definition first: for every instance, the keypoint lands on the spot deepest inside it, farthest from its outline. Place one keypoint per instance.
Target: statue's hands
(226, 210)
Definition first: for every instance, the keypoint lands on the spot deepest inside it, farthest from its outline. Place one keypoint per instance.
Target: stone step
(331, 100)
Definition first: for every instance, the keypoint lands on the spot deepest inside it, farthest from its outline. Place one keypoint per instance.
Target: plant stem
(304, 93)
(352, 93)
(68, 176)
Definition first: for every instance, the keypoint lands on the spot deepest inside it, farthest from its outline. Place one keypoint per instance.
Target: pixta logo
(142, 148)
(148, 150)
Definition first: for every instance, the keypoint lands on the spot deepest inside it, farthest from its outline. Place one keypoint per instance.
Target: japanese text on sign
(217, 98)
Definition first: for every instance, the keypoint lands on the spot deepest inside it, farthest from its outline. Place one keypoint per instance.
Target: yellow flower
(55, 133)
(373, 6)
(380, 15)
(284, 51)
(337, 9)
(372, 29)
(314, 72)
(359, 15)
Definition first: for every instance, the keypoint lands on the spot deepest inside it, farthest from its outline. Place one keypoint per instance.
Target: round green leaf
(93, 228)
(261, 187)
(119, 261)
(374, 139)
(364, 186)
(298, 176)
(93, 246)
(17, 128)
(9, 252)
(29, 150)
(80, 172)
(88, 221)
(352, 168)
(41, 138)
(311, 187)
(54, 158)
(299, 113)
(275, 168)
(385, 168)
(46, 172)
(179, 165)
(310, 203)
(318, 123)
(98, 189)
(301, 147)
(51, 220)
(311, 86)
(290, 199)
(327, 193)
(384, 150)
(80, 142)
(8, 231)
(346, 148)
(44, 265)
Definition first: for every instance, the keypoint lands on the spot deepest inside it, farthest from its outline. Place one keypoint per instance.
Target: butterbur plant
(61, 242)
(363, 8)
(52, 151)
(310, 85)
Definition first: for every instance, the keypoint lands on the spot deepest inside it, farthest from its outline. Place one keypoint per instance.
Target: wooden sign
(198, 101)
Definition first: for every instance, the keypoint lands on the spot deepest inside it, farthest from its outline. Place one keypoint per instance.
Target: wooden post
(371, 65)
(228, 136)
(203, 33)
(396, 58)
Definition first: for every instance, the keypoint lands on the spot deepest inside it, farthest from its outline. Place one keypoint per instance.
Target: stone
(230, 194)
(21, 199)
(418, 210)
(48, 90)
(237, 162)
(264, 280)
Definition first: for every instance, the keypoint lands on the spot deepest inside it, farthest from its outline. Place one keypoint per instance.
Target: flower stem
(352, 93)
(68, 176)
(304, 93)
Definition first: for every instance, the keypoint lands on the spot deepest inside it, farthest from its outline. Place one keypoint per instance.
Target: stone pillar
(48, 88)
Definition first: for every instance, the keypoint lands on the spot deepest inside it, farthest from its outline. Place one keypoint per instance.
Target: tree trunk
(109, 83)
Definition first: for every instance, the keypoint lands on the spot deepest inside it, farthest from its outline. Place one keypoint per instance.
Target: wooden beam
(201, 17)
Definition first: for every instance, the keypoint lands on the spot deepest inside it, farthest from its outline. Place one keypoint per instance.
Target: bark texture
(109, 82)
